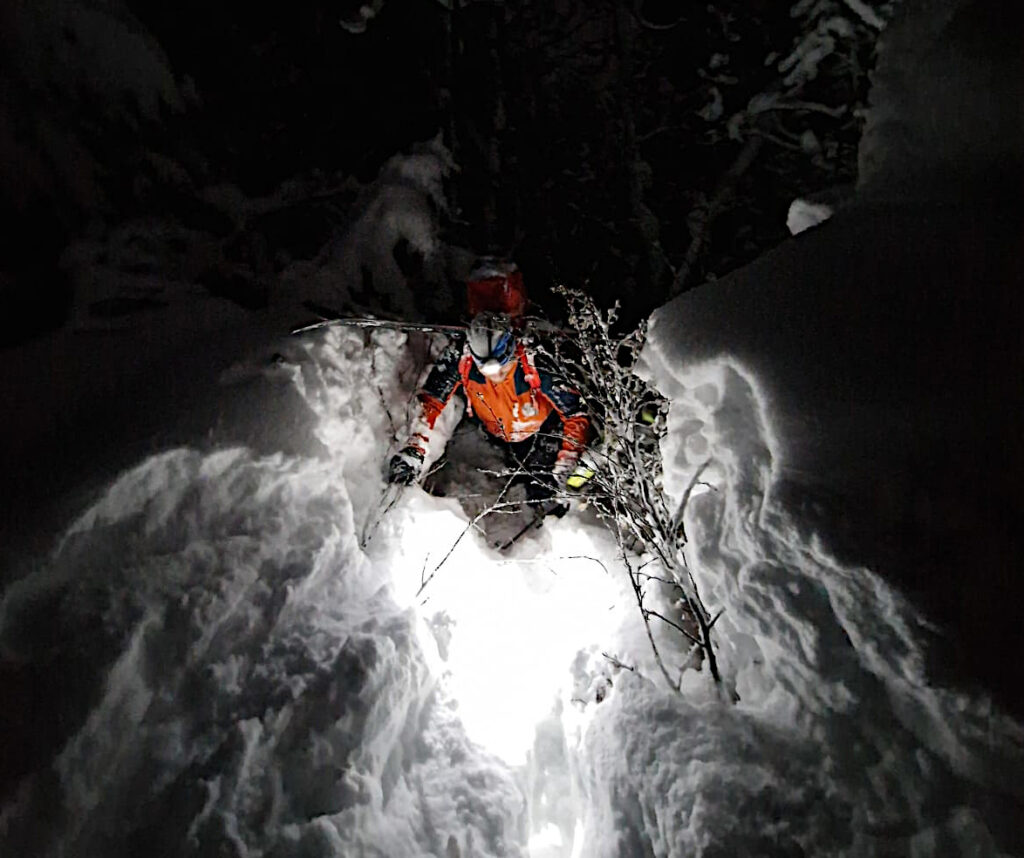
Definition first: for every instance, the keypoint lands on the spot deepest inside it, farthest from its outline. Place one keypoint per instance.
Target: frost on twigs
(626, 487)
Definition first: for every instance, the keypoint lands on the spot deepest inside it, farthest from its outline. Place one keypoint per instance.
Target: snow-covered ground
(248, 675)
(219, 646)
(243, 678)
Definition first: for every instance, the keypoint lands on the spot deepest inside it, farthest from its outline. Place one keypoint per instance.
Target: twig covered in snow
(626, 487)
(695, 480)
(619, 664)
(868, 15)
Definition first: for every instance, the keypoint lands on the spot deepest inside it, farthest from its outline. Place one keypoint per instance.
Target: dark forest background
(634, 147)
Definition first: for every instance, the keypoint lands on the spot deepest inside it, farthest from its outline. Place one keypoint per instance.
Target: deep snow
(200, 659)
(248, 679)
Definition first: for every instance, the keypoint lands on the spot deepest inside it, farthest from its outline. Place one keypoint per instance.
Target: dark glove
(405, 466)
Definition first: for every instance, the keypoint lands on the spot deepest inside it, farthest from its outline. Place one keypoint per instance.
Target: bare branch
(675, 584)
(586, 557)
(692, 638)
(811, 107)
(638, 593)
(677, 522)
(650, 25)
(868, 15)
(618, 663)
(472, 524)
(625, 489)
(387, 412)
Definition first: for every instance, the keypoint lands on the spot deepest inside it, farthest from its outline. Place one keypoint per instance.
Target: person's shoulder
(541, 358)
(552, 376)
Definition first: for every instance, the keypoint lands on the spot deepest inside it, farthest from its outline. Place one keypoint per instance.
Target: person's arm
(441, 384)
(572, 410)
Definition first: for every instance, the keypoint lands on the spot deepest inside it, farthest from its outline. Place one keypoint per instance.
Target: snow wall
(885, 343)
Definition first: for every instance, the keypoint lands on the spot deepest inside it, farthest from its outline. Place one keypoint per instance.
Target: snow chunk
(803, 214)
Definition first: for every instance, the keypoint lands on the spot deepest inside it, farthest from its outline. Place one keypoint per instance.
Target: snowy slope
(885, 343)
(240, 674)
(841, 742)
(857, 393)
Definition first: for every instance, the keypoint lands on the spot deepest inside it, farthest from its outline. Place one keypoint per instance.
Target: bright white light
(516, 624)
(548, 839)
(577, 841)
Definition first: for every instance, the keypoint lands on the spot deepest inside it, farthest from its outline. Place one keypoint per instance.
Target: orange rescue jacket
(513, 408)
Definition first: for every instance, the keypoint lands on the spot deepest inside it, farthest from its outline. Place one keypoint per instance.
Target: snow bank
(210, 663)
(855, 392)
(839, 743)
(241, 675)
(250, 684)
(945, 120)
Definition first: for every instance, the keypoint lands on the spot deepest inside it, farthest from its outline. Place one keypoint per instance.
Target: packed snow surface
(259, 668)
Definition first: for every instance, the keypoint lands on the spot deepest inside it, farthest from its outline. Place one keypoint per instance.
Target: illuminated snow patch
(515, 622)
(547, 841)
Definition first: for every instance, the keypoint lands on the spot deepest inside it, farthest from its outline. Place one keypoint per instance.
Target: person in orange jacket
(518, 397)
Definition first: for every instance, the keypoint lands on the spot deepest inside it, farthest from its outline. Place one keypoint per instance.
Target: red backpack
(498, 287)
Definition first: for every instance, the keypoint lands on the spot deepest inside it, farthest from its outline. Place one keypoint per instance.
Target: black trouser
(536, 457)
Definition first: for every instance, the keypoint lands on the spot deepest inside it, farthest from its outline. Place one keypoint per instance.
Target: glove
(405, 466)
(565, 464)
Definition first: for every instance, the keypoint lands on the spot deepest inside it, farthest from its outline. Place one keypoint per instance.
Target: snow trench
(239, 675)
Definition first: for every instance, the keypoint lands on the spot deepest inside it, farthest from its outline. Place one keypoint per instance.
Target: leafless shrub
(626, 486)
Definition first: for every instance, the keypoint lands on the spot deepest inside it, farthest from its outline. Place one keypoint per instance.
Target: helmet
(492, 341)
(496, 284)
